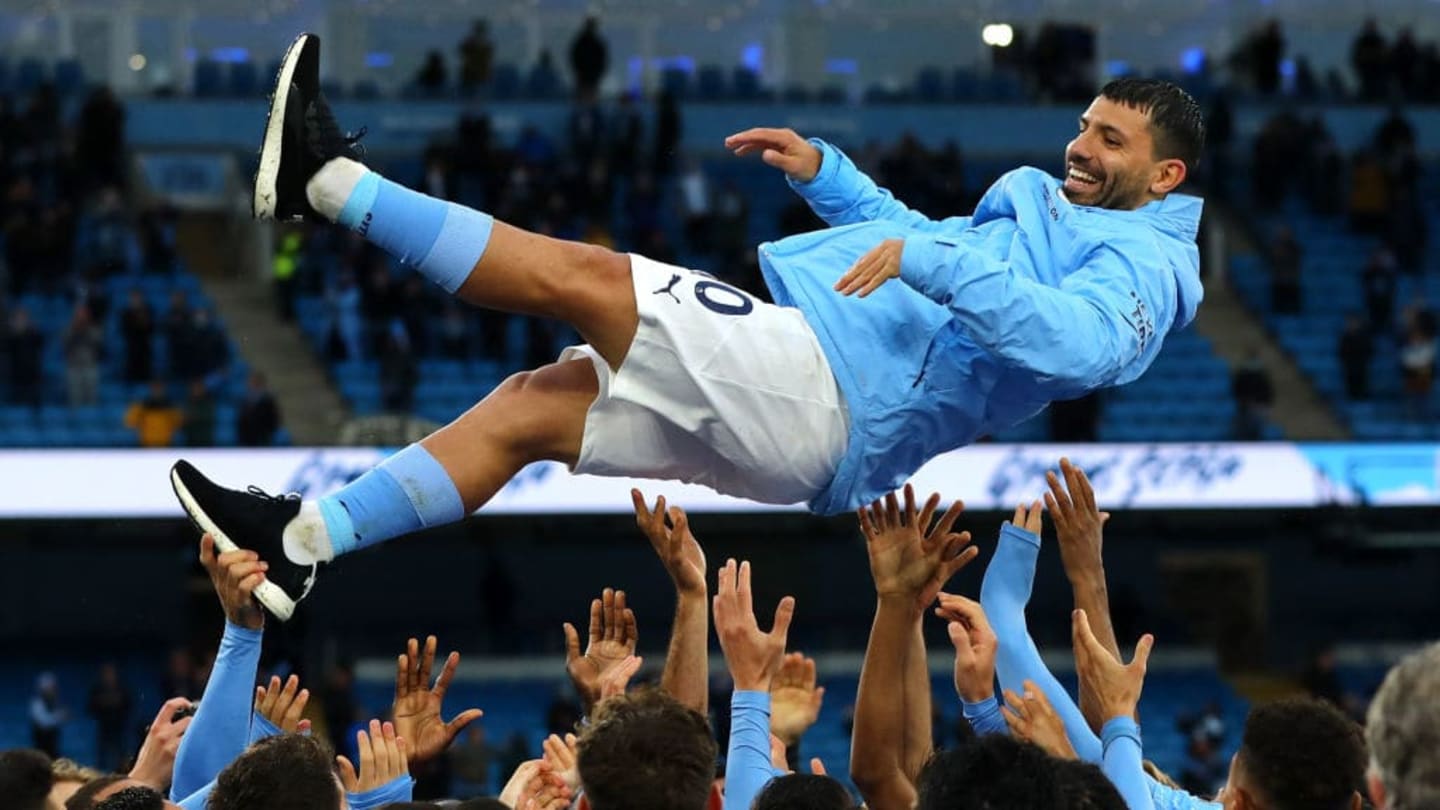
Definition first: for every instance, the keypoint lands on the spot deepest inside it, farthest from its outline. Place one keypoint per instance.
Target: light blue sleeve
(841, 194)
(1122, 763)
(985, 717)
(1168, 798)
(196, 800)
(1004, 593)
(400, 790)
(220, 730)
(747, 762)
(1090, 331)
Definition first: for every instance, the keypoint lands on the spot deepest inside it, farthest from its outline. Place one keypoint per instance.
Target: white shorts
(718, 389)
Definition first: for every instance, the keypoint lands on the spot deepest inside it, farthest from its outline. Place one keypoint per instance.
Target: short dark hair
(133, 798)
(288, 772)
(1087, 787)
(1303, 753)
(803, 791)
(84, 798)
(1176, 121)
(993, 770)
(25, 778)
(647, 751)
(485, 803)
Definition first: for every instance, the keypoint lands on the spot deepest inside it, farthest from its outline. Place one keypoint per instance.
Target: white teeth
(1082, 176)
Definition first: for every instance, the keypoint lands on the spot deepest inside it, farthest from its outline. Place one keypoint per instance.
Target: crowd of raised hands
(249, 746)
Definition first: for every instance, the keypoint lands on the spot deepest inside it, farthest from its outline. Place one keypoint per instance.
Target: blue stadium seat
(244, 80)
(710, 83)
(209, 78)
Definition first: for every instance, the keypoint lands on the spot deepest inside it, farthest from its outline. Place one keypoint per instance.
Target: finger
(1014, 721)
(819, 698)
(607, 615)
(463, 719)
(348, 779)
(817, 767)
(1084, 637)
(878, 277)
(240, 570)
(597, 632)
(402, 676)
(303, 727)
(366, 752)
(1016, 704)
(207, 551)
(402, 749)
(927, 515)
(964, 554)
(1035, 522)
(412, 665)
(892, 511)
(181, 726)
(1072, 482)
(784, 612)
(1059, 496)
(247, 586)
(854, 278)
(168, 710)
(1037, 698)
(287, 695)
(642, 510)
(1019, 518)
(756, 136)
(780, 160)
(632, 630)
(447, 674)
(866, 529)
(1142, 653)
(296, 710)
(392, 752)
(908, 516)
(742, 589)
(1087, 491)
(572, 642)
(618, 633)
(272, 696)
(427, 663)
(947, 520)
(960, 639)
(807, 672)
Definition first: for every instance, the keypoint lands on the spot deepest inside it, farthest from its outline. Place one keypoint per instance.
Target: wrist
(751, 682)
(974, 693)
(692, 593)
(900, 602)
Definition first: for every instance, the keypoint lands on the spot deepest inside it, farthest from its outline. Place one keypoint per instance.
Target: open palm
(417, 709)
(906, 560)
(613, 636)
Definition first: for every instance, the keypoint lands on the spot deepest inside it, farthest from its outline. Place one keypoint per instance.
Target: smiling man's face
(1111, 163)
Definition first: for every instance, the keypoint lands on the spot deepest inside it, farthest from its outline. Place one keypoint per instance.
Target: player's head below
(288, 772)
(646, 751)
(69, 776)
(1138, 141)
(1403, 729)
(995, 770)
(118, 792)
(1297, 754)
(25, 779)
(803, 791)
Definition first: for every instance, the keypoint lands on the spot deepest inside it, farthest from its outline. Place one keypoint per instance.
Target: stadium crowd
(251, 741)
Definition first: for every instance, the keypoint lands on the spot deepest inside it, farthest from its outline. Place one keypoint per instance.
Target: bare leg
(533, 415)
(585, 285)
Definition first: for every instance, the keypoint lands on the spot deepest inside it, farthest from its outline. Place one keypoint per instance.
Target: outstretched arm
(221, 727)
(687, 663)
(1115, 688)
(836, 190)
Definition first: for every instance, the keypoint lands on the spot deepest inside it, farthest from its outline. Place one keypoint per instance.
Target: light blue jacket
(1029, 301)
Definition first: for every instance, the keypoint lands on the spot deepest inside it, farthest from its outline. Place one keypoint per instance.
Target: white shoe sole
(272, 596)
(263, 202)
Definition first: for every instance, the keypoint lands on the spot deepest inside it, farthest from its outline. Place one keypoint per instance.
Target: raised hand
(617, 678)
(873, 269)
(383, 759)
(613, 635)
(1032, 718)
(669, 534)
(1113, 686)
(544, 790)
(235, 575)
(283, 707)
(156, 760)
(754, 657)
(782, 148)
(563, 758)
(908, 562)
(795, 700)
(417, 709)
(1079, 523)
(975, 647)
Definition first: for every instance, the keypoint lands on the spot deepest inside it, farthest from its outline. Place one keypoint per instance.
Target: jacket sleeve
(1089, 332)
(1165, 797)
(747, 763)
(1122, 762)
(985, 717)
(841, 194)
(220, 729)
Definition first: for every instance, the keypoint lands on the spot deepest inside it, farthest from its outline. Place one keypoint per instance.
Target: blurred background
(1274, 475)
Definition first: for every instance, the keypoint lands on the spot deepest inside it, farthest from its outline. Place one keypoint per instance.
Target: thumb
(1142, 653)
(817, 767)
(1104, 518)
(348, 779)
(784, 612)
(961, 639)
(572, 643)
(819, 699)
(462, 720)
(778, 159)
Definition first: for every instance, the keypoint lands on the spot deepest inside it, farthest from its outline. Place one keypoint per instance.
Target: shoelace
(260, 493)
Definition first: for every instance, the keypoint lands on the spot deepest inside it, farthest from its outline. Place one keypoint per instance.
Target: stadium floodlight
(997, 35)
(137, 62)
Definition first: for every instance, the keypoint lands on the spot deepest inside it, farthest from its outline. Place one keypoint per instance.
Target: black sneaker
(300, 136)
(253, 521)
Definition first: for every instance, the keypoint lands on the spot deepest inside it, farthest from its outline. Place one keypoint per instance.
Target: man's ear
(716, 800)
(1377, 790)
(1168, 177)
(584, 802)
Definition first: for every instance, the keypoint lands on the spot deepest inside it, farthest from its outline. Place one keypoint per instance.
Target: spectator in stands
(431, 78)
(1417, 367)
(1285, 259)
(175, 325)
(157, 239)
(477, 53)
(696, 208)
(589, 58)
(258, 418)
(100, 139)
(109, 704)
(346, 336)
(206, 349)
(668, 131)
(83, 345)
(48, 715)
(155, 418)
(1378, 280)
(1268, 49)
(1355, 349)
(1205, 769)
(197, 427)
(1402, 727)
(25, 779)
(137, 327)
(1254, 394)
(1370, 57)
(626, 136)
(24, 346)
(1369, 192)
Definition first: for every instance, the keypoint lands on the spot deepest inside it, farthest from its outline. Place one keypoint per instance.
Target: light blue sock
(440, 239)
(407, 492)
(1003, 595)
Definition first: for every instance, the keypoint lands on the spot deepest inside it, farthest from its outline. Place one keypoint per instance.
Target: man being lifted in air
(832, 397)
